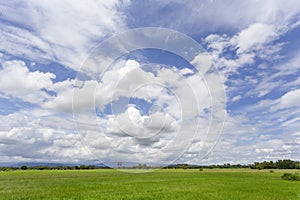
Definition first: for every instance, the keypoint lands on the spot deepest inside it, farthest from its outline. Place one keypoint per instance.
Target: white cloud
(186, 71)
(236, 98)
(290, 99)
(17, 81)
(256, 42)
(254, 37)
(248, 44)
(180, 103)
(38, 135)
(131, 122)
(243, 142)
(63, 101)
(62, 31)
(203, 61)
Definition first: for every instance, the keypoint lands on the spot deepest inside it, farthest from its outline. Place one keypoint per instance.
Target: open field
(162, 184)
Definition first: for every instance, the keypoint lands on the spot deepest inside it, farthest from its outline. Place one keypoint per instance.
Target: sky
(154, 82)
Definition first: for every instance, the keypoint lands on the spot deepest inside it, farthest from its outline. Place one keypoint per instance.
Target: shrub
(5, 169)
(24, 167)
(291, 177)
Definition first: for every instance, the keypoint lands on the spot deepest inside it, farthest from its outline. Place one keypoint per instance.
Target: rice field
(162, 184)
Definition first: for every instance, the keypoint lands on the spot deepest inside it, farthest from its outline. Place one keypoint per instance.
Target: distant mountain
(31, 164)
(48, 164)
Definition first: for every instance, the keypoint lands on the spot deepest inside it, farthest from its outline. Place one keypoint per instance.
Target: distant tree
(24, 167)
(42, 167)
(83, 167)
(285, 164)
(227, 165)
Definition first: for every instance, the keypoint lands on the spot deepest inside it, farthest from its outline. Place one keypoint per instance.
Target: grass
(162, 184)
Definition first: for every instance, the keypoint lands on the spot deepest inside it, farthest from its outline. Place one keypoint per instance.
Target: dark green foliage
(280, 164)
(24, 167)
(291, 177)
(5, 169)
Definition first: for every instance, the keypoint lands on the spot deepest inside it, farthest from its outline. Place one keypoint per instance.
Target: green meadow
(111, 184)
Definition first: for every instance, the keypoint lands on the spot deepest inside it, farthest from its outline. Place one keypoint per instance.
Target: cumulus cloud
(290, 99)
(131, 122)
(17, 81)
(181, 108)
(39, 136)
(204, 60)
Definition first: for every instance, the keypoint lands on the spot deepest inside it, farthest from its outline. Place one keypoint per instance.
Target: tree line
(43, 167)
(279, 164)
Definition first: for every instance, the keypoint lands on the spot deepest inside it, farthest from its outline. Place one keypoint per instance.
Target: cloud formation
(255, 50)
(61, 31)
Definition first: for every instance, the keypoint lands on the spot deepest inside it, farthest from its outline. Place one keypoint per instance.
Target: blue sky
(142, 107)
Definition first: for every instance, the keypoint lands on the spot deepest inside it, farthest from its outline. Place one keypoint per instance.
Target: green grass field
(163, 184)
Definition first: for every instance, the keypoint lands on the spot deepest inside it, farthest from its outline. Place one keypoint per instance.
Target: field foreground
(162, 184)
